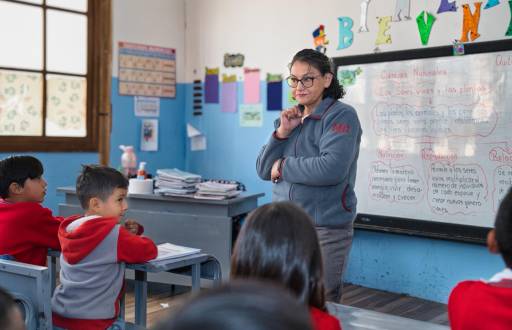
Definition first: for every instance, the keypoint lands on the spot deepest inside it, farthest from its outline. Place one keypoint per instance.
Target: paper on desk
(197, 139)
(169, 251)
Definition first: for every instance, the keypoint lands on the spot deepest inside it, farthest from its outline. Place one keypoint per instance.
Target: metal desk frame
(173, 265)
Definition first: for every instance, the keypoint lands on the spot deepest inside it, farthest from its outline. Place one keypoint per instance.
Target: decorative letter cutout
(425, 27)
(382, 37)
(509, 30)
(346, 35)
(402, 10)
(491, 3)
(363, 25)
(470, 22)
(446, 6)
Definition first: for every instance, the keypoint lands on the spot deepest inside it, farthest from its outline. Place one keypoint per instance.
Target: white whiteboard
(437, 136)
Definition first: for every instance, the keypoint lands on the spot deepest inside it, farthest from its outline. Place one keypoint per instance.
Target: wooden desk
(204, 224)
(353, 318)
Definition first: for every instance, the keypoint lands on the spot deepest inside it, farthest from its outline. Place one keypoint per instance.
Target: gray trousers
(335, 244)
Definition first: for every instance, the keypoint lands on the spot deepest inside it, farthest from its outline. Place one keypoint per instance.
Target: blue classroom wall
(421, 267)
(61, 169)
(231, 150)
(126, 129)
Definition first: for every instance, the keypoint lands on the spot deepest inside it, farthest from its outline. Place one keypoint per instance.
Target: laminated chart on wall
(437, 143)
(251, 115)
(251, 86)
(274, 92)
(229, 93)
(211, 85)
(147, 70)
(145, 106)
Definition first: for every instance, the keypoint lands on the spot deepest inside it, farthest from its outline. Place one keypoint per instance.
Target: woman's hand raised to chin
(290, 118)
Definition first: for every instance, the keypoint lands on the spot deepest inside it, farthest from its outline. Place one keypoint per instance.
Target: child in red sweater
(278, 243)
(475, 305)
(27, 229)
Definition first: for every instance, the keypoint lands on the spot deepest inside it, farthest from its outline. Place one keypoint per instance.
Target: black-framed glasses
(306, 81)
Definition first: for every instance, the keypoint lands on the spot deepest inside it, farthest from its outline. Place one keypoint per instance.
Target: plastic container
(141, 172)
(128, 161)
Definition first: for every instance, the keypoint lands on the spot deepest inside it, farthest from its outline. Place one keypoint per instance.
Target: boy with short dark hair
(94, 249)
(27, 229)
(482, 305)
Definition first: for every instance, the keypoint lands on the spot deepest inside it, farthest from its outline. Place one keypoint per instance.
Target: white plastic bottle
(128, 160)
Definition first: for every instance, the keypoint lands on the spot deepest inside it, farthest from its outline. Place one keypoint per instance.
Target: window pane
(66, 106)
(66, 42)
(33, 1)
(21, 36)
(79, 5)
(21, 103)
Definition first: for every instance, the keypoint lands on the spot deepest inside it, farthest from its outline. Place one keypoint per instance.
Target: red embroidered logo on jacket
(340, 128)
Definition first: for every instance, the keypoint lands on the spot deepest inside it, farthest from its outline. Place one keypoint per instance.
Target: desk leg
(196, 277)
(141, 297)
(122, 307)
(52, 265)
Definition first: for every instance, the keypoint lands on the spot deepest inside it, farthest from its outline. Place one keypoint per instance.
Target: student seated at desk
(27, 229)
(278, 243)
(241, 306)
(10, 315)
(478, 305)
(94, 249)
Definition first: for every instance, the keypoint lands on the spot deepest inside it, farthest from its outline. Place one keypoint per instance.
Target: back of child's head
(241, 306)
(10, 316)
(278, 242)
(98, 181)
(503, 228)
(17, 169)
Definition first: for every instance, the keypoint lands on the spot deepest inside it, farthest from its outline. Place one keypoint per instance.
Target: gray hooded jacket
(320, 162)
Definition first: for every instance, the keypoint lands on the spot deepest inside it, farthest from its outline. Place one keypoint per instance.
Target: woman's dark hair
(278, 242)
(322, 63)
(503, 228)
(241, 305)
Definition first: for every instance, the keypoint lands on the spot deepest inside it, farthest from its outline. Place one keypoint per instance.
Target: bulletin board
(436, 151)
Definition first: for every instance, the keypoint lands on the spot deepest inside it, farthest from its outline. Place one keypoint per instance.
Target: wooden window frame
(98, 113)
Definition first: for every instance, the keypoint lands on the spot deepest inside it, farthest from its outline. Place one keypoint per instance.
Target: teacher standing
(311, 159)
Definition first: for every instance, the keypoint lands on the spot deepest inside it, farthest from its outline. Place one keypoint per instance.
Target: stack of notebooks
(174, 182)
(170, 251)
(215, 190)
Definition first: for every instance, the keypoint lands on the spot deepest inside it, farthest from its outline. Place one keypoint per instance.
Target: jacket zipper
(295, 154)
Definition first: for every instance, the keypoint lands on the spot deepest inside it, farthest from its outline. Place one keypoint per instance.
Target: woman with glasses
(311, 158)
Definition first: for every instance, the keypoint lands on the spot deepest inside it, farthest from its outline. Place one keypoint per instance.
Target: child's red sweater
(476, 305)
(27, 231)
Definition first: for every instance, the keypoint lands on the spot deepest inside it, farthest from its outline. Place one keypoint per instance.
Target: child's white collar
(75, 224)
(505, 274)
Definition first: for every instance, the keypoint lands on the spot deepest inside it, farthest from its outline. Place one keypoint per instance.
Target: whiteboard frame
(415, 227)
